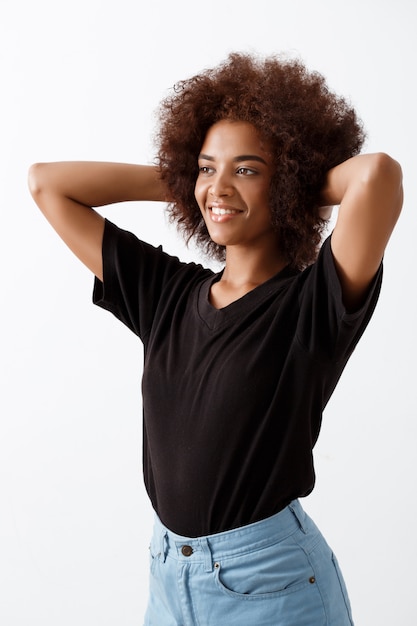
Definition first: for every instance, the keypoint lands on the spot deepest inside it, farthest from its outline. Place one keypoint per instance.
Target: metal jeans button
(187, 550)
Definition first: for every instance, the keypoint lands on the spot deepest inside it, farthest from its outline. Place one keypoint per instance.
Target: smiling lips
(222, 213)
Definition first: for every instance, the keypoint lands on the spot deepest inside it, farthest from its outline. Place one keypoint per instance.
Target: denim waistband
(240, 540)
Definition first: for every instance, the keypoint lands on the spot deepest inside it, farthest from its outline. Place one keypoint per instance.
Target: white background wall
(81, 79)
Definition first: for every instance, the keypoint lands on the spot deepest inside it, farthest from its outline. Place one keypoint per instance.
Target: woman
(239, 365)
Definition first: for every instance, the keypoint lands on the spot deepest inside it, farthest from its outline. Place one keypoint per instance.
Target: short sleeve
(135, 275)
(325, 328)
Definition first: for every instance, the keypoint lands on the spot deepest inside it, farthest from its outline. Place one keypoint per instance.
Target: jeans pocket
(153, 558)
(273, 571)
(342, 585)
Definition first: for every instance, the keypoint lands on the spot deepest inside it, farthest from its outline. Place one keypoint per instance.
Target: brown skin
(308, 138)
(66, 192)
(235, 170)
(368, 188)
(309, 129)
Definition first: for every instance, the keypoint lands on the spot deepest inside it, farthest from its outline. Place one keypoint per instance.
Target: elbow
(386, 173)
(35, 179)
(384, 167)
(392, 173)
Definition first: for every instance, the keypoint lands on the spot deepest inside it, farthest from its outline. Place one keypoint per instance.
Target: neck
(251, 266)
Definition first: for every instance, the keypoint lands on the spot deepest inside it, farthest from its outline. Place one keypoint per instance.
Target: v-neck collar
(214, 318)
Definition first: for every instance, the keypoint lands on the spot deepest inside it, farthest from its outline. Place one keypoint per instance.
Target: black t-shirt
(232, 398)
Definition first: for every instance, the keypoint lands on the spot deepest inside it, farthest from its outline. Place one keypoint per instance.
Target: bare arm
(66, 193)
(368, 189)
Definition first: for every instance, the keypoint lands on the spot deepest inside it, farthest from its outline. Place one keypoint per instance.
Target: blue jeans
(276, 572)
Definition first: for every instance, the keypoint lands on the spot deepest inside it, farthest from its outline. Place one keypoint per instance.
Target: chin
(221, 242)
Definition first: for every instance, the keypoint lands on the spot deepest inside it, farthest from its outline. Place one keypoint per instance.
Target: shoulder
(132, 265)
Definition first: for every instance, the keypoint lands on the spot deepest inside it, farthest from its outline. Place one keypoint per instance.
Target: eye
(245, 171)
(205, 169)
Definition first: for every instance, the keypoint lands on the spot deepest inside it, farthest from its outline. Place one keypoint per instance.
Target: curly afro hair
(310, 128)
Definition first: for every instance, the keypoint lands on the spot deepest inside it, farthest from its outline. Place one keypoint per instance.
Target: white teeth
(218, 211)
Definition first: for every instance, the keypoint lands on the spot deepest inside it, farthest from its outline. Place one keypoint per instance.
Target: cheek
(199, 195)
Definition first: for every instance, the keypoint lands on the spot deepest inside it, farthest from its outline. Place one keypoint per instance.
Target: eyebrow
(237, 159)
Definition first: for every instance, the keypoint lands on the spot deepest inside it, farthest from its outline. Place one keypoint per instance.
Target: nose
(221, 185)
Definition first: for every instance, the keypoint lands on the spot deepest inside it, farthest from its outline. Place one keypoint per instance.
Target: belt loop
(297, 510)
(163, 545)
(208, 561)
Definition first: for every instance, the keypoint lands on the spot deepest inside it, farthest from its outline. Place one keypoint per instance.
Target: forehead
(233, 138)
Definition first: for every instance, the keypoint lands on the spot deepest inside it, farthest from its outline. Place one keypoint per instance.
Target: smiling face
(232, 188)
